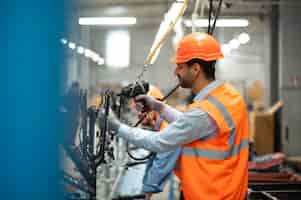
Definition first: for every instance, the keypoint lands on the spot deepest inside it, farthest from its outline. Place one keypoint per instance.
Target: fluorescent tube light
(219, 23)
(107, 21)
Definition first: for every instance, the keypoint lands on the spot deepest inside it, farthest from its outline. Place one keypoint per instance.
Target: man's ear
(196, 67)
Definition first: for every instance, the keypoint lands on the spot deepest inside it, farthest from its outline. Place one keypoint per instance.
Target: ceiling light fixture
(80, 50)
(107, 21)
(219, 23)
(88, 53)
(234, 44)
(64, 41)
(101, 61)
(71, 45)
(225, 48)
(243, 38)
(118, 46)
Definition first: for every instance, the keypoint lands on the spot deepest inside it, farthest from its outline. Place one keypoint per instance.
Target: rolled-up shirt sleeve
(190, 126)
(159, 169)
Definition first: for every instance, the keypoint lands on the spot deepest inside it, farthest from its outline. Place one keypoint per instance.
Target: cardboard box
(262, 128)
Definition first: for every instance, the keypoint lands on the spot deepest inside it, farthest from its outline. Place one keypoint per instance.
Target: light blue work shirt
(184, 128)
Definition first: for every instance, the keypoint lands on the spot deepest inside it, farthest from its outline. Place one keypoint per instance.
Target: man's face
(185, 75)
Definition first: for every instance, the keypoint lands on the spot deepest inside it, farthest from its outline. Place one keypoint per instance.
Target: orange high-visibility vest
(217, 168)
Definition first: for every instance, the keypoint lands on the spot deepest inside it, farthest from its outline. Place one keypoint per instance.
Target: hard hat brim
(176, 59)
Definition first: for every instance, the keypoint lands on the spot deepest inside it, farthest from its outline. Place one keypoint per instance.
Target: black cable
(216, 16)
(121, 102)
(209, 15)
(101, 153)
(131, 164)
(133, 197)
(135, 158)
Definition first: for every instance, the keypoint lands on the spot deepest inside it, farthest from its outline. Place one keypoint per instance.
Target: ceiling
(152, 11)
(151, 8)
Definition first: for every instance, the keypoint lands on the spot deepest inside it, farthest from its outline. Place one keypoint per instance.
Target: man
(213, 132)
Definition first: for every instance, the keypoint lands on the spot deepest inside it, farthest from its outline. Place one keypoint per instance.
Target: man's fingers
(140, 98)
(148, 196)
(139, 106)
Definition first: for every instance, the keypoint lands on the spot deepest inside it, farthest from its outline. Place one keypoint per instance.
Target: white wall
(289, 63)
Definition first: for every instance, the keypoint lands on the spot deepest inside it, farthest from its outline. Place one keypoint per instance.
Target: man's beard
(184, 83)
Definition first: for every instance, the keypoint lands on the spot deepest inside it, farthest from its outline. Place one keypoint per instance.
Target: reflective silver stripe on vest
(215, 154)
(227, 117)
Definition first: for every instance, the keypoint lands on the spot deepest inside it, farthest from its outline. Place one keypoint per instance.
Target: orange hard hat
(197, 45)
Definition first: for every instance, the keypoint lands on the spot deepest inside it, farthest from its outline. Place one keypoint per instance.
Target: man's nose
(176, 71)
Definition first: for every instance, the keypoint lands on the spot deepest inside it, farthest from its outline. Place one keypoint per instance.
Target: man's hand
(113, 122)
(148, 196)
(149, 120)
(149, 103)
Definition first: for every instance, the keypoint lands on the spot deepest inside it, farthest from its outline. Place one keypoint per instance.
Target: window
(118, 49)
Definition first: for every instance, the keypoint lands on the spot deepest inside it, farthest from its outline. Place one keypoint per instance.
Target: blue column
(30, 126)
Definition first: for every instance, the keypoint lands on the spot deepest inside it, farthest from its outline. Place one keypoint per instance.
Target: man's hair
(208, 67)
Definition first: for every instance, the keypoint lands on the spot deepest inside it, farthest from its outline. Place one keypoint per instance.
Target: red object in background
(274, 177)
(267, 161)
